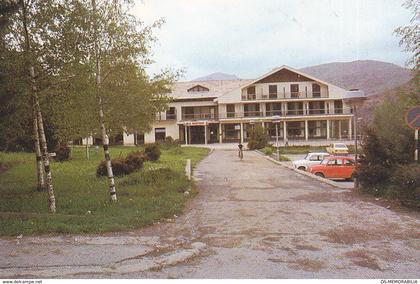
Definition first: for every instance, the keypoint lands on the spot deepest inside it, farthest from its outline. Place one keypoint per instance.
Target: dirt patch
(363, 259)
(349, 235)
(224, 242)
(307, 247)
(323, 197)
(306, 264)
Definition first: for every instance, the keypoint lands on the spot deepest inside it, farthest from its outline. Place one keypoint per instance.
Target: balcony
(317, 111)
(164, 117)
(199, 116)
(289, 112)
(279, 96)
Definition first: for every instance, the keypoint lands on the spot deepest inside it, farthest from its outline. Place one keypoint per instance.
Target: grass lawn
(306, 149)
(144, 197)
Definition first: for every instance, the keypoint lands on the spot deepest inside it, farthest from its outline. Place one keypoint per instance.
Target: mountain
(217, 76)
(373, 77)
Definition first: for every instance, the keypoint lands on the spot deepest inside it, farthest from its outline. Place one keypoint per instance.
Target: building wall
(172, 129)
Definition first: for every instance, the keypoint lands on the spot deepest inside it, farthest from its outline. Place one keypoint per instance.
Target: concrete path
(251, 219)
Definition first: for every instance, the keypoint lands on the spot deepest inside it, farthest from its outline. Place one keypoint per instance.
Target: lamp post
(276, 121)
(355, 99)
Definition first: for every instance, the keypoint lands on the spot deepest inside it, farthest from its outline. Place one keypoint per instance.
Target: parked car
(338, 148)
(311, 159)
(335, 167)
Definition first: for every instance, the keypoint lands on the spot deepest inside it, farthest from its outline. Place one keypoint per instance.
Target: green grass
(144, 197)
(271, 151)
(306, 149)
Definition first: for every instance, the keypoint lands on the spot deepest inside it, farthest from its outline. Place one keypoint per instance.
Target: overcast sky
(250, 37)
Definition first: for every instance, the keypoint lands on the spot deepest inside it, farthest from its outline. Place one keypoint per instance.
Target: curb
(304, 173)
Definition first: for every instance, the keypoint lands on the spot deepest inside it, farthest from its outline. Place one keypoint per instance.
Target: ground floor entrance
(199, 134)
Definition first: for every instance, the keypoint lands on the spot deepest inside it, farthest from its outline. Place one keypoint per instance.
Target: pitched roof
(274, 70)
(216, 88)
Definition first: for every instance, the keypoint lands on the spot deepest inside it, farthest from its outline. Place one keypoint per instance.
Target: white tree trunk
(44, 147)
(38, 115)
(39, 165)
(105, 140)
(105, 143)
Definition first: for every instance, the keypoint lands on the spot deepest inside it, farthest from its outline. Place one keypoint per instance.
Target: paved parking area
(251, 219)
(340, 183)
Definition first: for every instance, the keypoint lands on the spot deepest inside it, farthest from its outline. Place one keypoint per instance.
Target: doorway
(197, 134)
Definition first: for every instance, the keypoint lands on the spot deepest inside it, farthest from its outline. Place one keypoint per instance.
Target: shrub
(168, 143)
(101, 169)
(121, 166)
(135, 160)
(152, 152)
(258, 138)
(405, 182)
(267, 150)
(62, 152)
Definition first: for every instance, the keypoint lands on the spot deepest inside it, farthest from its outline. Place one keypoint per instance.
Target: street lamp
(276, 121)
(355, 99)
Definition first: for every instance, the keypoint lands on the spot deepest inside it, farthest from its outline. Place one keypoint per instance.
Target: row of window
(294, 91)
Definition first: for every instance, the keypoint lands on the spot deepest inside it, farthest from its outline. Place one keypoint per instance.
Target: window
(272, 91)
(338, 106)
(294, 90)
(230, 110)
(337, 162)
(160, 134)
(348, 162)
(316, 91)
(251, 110)
(317, 107)
(170, 113)
(273, 109)
(315, 158)
(251, 93)
(250, 90)
(198, 88)
(294, 108)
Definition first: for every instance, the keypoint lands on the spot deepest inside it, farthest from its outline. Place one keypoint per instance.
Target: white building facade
(304, 108)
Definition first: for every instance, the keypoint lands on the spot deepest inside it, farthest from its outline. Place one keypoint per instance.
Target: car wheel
(320, 175)
(302, 168)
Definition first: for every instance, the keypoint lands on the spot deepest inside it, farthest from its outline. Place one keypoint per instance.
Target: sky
(249, 37)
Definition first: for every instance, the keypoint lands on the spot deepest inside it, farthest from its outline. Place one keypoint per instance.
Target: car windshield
(325, 161)
(307, 156)
(343, 146)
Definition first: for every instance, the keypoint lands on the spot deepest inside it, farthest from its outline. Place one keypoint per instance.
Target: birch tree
(30, 41)
(109, 89)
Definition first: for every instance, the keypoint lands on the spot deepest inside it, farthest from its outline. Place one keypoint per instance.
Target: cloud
(250, 37)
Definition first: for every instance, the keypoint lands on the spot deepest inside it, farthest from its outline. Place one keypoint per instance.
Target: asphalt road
(251, 219)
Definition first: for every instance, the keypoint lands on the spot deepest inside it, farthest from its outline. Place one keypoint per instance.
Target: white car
(311, 159)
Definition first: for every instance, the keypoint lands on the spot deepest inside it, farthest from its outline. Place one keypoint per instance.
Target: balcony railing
(289, 112)
(199, 116)
(273, 112)
(280, 95)
(163, 116)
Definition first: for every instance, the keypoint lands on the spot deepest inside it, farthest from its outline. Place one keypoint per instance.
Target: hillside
(373, 77)
(217, 77)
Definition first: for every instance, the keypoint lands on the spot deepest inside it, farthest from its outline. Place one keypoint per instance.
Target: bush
(120, 166)
(135, 160)
(267, 150)
(258, 138)
(62, 153)
(405, 182)
(168, 143)
(152, 152)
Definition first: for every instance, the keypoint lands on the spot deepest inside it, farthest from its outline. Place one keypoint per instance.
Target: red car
(335, 167)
